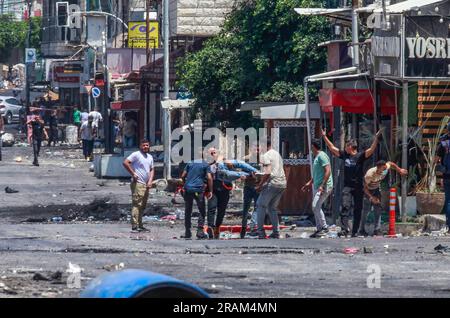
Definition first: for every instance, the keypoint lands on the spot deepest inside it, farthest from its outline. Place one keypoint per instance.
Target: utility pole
(27, 65)
(166, 112)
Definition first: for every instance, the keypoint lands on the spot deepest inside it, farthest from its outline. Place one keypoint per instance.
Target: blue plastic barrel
(133, 283)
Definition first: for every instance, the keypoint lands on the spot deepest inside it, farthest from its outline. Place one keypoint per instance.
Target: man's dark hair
(352, 143)
(316, 144)
(380, 163)
(144, 141)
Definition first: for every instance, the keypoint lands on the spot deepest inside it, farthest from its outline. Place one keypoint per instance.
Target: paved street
(289, 267)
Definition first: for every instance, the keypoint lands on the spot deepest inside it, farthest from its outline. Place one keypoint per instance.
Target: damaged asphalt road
(37, 254)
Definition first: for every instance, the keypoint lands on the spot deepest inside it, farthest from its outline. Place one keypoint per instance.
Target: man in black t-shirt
(353, 192)
(443, 154)
(38, 133)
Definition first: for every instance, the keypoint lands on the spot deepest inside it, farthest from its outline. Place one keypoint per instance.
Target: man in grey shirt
(272, 186)
(140, 165)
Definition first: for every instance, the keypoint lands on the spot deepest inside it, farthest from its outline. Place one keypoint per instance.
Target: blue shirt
(196, 175)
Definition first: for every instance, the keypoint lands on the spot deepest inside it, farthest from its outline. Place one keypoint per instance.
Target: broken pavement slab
(432, 222)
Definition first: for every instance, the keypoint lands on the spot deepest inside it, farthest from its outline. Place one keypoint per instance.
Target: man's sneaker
(143, 229)
(262, 236)
(201, 235)
(314, 235)
(343, 233)
(134, 230)
(361, 234)
(252, 234)
(243, 232)
(274, 236)
(187, 236)
(36, 164)
(322, 232)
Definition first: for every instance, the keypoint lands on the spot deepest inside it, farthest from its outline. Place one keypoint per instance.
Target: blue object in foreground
(133, 283)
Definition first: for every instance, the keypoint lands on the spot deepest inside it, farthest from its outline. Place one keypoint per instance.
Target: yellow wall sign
(137, 34)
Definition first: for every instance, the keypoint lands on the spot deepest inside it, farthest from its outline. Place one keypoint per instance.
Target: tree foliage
(263, 52)
(13, 34)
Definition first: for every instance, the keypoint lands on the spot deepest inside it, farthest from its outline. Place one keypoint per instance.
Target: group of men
(212, 180)
(357, 185)
(209, 182)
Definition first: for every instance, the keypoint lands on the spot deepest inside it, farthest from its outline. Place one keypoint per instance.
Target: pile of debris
(100, 209)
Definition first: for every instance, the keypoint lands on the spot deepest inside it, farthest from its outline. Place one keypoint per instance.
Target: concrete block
(432, 222)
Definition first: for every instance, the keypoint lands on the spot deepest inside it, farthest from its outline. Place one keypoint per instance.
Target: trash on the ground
(57, 219)
(386, 246)
(10, 190)
(351, 250)
(39, 276)
(74, 269)
(179, 214)
(304, 235)
(54, 195)
(149, 218)
(442, 249)
(169, 217)
(8, 139)
(35, 220)
(18, 159)
(114, 267)
(368, 250)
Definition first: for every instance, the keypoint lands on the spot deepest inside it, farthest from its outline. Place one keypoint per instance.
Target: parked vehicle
(10, 108)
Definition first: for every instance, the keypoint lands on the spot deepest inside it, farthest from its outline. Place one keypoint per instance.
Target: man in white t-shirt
(272, 187)
(140, 165)
(96, 116)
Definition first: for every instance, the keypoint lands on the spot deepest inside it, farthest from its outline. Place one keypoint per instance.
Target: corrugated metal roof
(409, 5)
(321, 11)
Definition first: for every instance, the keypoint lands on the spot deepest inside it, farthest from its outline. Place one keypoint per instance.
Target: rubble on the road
(8, 139)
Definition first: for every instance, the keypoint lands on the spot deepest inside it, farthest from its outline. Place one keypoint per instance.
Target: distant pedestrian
(96, 117)
(140, 166)
(129, 131)
(2, 131)
(372, 182)
(77, 117)
(53, 128)
(352, 193)
(322, 182)
(87, 133)
(37, 135)
(271, 187)
(196, 176)
(84, 115)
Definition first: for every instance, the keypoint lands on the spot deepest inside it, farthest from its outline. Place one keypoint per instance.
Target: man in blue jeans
(444, 158)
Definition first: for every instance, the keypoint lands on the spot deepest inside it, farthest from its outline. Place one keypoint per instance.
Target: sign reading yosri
(427, 47)
(137, 34)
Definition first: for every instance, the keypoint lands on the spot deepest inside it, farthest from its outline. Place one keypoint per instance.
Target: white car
(10, 108)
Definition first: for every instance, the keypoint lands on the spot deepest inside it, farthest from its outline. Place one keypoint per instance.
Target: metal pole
(166, 112)
(147, 28)
(355, 35)
(308, 126)
(404, 148)
(27, 65)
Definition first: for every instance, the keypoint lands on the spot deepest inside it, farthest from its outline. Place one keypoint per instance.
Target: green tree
(13, 34)
(263, 52)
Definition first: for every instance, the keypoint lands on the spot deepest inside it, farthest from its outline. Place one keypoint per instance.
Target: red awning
(357, 101)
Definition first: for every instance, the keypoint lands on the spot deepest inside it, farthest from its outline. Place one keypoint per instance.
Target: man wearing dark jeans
(223, 176)
(443, 154)
(353, 192)
(194, 176)
(38, 132)
(87, 133)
